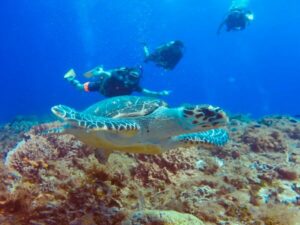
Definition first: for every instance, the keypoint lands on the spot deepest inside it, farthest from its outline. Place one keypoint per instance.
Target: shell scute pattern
(125, 106)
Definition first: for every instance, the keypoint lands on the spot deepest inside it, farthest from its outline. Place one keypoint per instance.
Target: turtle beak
(59, 111)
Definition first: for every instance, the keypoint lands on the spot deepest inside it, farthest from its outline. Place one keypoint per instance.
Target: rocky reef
(56, 179)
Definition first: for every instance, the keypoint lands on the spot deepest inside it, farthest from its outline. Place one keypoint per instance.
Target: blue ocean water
(255, 71)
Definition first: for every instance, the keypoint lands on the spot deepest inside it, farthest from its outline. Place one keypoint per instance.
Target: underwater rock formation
(162, 217)
(56, 179)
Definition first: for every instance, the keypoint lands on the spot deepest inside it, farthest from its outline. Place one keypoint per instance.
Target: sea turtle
(137, 124)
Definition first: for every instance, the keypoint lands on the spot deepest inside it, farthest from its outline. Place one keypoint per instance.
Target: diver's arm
(220, 27)
(103, 74)
(146, 50)
(70, 77)
(96, 72)
(76, 83)
(154, 93)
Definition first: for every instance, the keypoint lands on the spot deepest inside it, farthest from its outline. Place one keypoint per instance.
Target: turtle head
(62, 111)
(203, 117)
(69, 115)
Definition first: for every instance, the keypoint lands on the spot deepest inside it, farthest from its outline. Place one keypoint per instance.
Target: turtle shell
(125, 106)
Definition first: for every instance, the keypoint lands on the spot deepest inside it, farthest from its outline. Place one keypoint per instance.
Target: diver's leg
(77, 84)
(87, 86)
(70, 77)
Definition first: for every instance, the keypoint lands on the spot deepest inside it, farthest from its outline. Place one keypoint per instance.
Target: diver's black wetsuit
(236, 21)
(167, 56)
(121, 82)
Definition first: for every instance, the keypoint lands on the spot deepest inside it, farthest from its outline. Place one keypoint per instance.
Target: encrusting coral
(13, 132)
(56, 179)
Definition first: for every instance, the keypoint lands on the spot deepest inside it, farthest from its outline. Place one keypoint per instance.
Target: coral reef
(13, 132)
(56, 179)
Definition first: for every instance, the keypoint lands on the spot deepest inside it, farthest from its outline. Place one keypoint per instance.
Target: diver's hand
(165, 93)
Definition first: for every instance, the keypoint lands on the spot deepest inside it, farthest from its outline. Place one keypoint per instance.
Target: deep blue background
(255, 71)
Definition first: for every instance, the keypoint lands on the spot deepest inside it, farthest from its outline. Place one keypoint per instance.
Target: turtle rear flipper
(89, 122)
(215, 137)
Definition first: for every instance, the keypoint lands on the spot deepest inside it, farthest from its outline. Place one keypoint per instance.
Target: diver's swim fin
(70, 74)
(94, 72)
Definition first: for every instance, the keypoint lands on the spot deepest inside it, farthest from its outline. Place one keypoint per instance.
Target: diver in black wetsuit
(115, 82)
(236, 19)
(166, 56)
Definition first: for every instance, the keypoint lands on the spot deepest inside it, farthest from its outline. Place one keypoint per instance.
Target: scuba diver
(166, 56)
(115, 82)
(236, 19)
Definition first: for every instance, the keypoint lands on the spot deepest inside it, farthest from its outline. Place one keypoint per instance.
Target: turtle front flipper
(215, 137)
(89, 122)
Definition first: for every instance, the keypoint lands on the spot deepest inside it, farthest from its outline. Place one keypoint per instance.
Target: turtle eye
(59, 111)
(62, 111)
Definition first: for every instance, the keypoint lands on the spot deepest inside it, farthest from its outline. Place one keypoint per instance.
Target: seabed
(56, 179)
